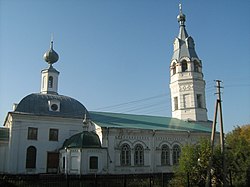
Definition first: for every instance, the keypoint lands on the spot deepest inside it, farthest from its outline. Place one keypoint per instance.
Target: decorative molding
(186, 87)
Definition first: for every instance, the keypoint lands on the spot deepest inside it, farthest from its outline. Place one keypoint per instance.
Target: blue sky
(115, 54)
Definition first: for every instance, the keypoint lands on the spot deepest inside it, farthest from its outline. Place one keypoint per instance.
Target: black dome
(84, 139)
(38, 104)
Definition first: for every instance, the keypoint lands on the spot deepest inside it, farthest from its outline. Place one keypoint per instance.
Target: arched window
(31, 157)
(165, 155)
(174, 68)
(139, 155)
(184, 66)
(50, 83)
(125, 155)
(196, 66)
(176, 154)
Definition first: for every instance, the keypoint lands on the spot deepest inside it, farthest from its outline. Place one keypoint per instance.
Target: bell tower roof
(183, 44)
(181, 19)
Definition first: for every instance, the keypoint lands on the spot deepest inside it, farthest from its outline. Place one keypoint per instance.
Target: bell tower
(187, 85)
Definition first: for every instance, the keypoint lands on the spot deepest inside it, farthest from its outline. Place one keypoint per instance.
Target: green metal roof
(118, 120)
(4, 134)
(83, 139)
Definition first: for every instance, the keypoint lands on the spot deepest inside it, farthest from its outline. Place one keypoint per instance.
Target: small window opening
(174, 68)
(50, 82)
(63, 162)
(184, 66)
(196, 66)
(199, 100)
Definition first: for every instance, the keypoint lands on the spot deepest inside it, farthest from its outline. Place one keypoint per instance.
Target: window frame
(139, 155)
(31, 154)
(174, 68)
(52, 136)
(176, 154)
(199, 100)
(184, 66)
(93, 162)
(125, 157)
(165, 155)
(32, 133)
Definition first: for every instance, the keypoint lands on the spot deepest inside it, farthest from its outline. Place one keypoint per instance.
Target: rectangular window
(175, 103)
(53, 134)
(32, 133)
(199, 100)
(93, 162)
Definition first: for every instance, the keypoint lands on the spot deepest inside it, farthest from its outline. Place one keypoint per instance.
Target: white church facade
(51, 133)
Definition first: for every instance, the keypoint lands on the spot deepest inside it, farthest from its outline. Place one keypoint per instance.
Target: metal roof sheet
(83, 139)
(118, 120)
(37, 104)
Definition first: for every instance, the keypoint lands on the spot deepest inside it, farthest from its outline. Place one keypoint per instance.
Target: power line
(153, 103)
(133, 101)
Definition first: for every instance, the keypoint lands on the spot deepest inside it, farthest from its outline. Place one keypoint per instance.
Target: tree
(193, 164)
(238, 155)
(194, 160)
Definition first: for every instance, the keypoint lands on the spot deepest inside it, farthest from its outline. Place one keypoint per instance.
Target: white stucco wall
(77, 161)
(19, 142)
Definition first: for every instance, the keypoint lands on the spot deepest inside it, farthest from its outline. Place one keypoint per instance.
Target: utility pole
(218, 108)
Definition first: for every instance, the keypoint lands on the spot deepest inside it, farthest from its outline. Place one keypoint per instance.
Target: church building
(51, 133)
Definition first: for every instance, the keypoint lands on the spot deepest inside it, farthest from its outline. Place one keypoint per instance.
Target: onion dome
(51, 56)
(84, 139)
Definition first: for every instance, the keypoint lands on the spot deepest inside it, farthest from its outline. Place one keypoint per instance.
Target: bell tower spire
(50, 75)
(187, 85)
